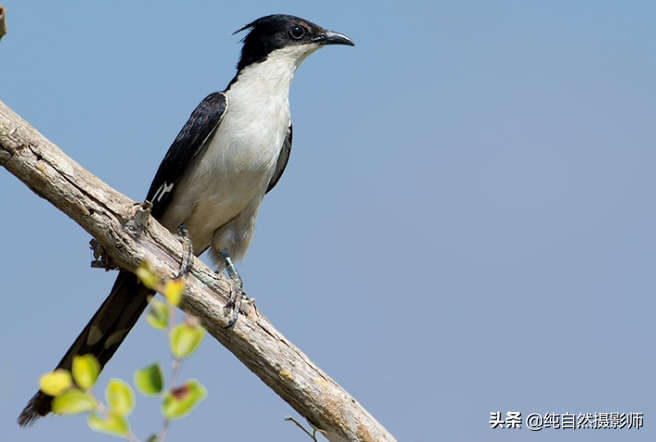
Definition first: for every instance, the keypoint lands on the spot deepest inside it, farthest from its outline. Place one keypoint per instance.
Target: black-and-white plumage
(201, 125)
(231, 152)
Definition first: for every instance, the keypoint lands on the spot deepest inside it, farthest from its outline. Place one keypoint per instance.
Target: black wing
(202, 123)
(283, 159)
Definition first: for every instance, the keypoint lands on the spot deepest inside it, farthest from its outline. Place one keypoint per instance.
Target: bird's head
(296, 37)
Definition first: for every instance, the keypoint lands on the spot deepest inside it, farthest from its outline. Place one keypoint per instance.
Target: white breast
(218, 200)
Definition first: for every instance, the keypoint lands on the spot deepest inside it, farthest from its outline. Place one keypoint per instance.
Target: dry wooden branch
(107, 215)
(3, 22)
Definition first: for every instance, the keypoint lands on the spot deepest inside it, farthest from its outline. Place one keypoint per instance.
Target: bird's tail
(101, 337)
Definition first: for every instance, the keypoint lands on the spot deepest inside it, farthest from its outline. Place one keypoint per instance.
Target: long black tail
(102, 336)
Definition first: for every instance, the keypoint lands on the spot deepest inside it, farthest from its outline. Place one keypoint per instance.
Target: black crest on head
(273, 32)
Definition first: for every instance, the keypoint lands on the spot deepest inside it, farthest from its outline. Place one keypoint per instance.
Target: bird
(230, 153)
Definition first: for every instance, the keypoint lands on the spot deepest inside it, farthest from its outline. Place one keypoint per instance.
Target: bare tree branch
(109, 217)
(3, 22)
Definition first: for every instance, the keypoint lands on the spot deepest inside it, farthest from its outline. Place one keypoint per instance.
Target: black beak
(334, 38)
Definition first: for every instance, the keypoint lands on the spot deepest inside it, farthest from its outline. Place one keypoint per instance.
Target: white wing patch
(163, 190)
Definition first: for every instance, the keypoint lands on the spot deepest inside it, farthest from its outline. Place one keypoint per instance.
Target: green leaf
(149, 380)
(72, 402)
(85, 370)
(120, 397)
(158, 315)
(185, 339)
(173, 291)
(180, 401)
(56, 382)
(114, 424)
(147, 277)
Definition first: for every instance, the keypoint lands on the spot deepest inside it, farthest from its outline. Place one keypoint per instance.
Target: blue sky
(466, 224)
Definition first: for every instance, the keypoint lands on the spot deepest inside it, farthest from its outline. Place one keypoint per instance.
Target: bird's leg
(188, 252)
(236, 292)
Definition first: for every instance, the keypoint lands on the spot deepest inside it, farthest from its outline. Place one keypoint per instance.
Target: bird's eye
(297, 32)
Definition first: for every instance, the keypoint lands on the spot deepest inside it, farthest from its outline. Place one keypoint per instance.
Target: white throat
(271, 78)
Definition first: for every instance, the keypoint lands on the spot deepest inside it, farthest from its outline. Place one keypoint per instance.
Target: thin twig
(165, 429)
(314, 433)
(175, 369)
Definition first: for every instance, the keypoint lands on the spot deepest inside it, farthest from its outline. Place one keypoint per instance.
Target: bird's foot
(187, 253)
(234, 304)
(100, 259)
(236, 289)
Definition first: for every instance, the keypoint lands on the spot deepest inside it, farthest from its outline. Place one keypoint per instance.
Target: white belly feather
(229, 178)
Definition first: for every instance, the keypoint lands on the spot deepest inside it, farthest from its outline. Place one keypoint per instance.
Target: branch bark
(3, 22)
(106, 214)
